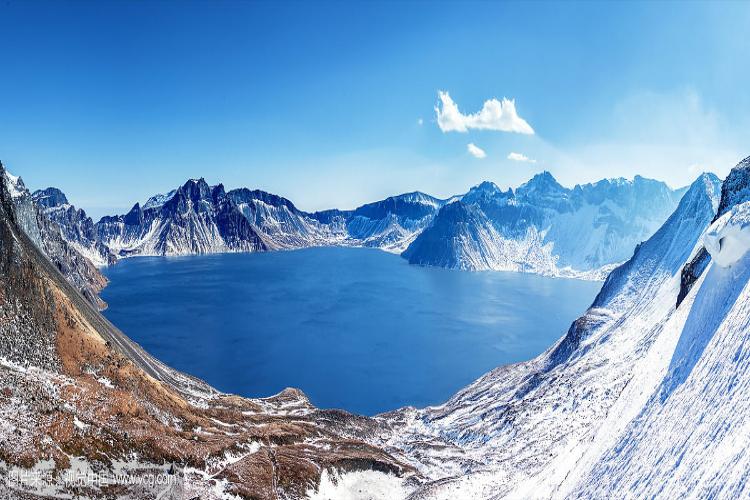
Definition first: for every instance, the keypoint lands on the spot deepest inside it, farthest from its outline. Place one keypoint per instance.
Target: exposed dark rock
(48, 237)
(734, 190)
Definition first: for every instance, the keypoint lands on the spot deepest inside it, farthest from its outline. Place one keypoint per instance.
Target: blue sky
(333, 104)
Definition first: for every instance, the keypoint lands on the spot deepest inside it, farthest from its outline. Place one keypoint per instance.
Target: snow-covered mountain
(544, 227)
(198, 218)
(78, 228)
(389, 224)
(70, 259)
(640, 399)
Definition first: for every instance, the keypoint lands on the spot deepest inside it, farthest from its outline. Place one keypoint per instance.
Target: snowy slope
(284, 225)
(464, 238)
(689, 438)
(520, 430)
(392, 224)
(546, 228)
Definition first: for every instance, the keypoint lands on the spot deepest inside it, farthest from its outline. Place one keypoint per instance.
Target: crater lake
(354, 328)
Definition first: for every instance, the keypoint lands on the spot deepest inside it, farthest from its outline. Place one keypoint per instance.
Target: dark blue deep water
(358, 329)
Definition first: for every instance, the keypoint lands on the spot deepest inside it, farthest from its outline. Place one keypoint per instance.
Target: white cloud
(494, 115)
(420, 122)
(476, 151)
(520, 157)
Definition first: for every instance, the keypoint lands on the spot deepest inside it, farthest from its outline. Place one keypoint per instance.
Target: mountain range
(644, 396)
(544, 227)
(541, 227)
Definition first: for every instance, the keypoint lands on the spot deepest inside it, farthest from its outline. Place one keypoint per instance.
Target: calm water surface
(358, 329)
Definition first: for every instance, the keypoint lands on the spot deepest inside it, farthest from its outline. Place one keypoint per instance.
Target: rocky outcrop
(734, 190)
(50, 239)
(77, 227)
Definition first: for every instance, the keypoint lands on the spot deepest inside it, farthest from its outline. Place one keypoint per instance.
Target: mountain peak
(485, 191)
(544, 178)
(50, 197)
(218, 192)
(544, 190)
(544, 174)
(135, 216)
(418, 197)
(14, 183)
(197, 189)
(487, 186)
(158, 200)
(194, 182)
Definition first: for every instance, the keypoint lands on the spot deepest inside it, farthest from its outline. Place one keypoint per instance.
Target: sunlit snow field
(354, 328)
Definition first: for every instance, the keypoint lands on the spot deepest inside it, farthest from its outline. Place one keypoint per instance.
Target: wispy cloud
(494, 115)
(476, 151)
(520, 157)
(682, 131)
(420, 122)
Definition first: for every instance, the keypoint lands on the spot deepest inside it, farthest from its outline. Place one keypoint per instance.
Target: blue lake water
(358, 329)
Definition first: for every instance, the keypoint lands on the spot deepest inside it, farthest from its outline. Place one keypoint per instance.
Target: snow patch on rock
(15, 185)
(361, 485)
(728, 239)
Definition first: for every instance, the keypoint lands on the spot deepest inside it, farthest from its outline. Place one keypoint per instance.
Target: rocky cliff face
(77, 228)
(52, 241)
(544, 227)
(85, 412)
(734, 190)
(198, 218)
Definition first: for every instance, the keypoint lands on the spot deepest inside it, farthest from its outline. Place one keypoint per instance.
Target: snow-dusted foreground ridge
(542, 227)
(640, 399)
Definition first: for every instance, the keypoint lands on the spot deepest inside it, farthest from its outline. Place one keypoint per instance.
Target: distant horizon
(97, 214)
(337, 104)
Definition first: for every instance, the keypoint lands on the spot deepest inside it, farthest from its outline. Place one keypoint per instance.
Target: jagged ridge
(544, 227)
